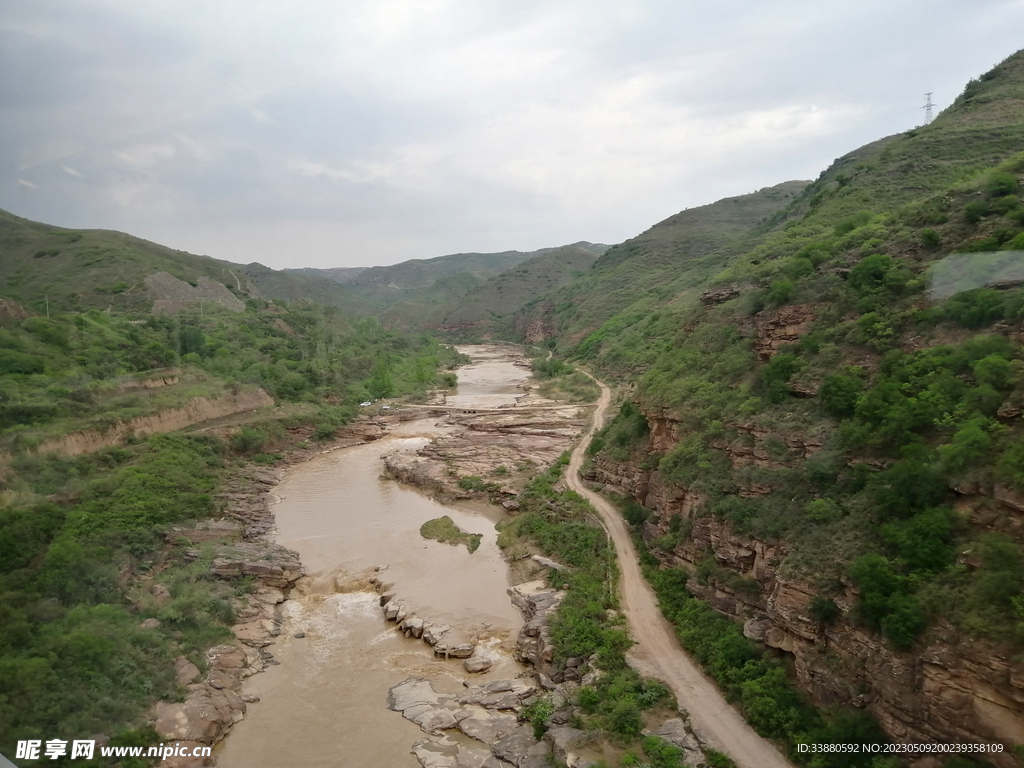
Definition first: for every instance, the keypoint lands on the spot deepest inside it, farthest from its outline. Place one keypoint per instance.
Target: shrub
(779, 292)
(839, 394)
(247, 440)
(777, 373)
(823, 610)
(930, 239)
(625, 718)
(976, 211)
(473, 483)
(15, 362)
(975, 308)
(870, 272)
(850, 223)
(324, 432)
(904, 621)
(1000, 184)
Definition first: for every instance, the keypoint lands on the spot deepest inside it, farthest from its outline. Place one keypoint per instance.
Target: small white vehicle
(385, 407)
(365, 403)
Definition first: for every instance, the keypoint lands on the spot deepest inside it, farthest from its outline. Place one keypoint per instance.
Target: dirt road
(657, 652)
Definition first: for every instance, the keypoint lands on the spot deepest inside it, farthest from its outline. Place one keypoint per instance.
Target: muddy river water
(324, 704)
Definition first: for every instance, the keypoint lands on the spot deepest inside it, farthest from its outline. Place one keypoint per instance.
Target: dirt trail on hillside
(657, 652)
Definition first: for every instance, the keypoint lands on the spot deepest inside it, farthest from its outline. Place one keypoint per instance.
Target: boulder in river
(433, 633)
(477, 664)
(454, 650)
(413, 627)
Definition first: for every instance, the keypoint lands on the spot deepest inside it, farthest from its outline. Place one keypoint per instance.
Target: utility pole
(47, 299)
(928, 107)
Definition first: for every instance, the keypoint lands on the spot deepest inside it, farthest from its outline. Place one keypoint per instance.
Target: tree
(381, 383)
(839, 394)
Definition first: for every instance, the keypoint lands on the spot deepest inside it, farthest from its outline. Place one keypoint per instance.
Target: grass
(444, 529)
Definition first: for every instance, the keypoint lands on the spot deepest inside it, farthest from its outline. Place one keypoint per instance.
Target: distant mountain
(337, 274)
(489, 308)
(93, 268)
(414, 280)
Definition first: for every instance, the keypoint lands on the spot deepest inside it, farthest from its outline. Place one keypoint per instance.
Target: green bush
(780, 292)
(12, 361)
(976, 211)
(839, 394)
(976, 308)
(1000, 184)
(824, 610)
(248, 440)
(870, 272)
(324, 432)
(852, 222)
(930, 239)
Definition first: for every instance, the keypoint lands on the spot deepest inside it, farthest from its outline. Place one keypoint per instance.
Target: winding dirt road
(657, 652)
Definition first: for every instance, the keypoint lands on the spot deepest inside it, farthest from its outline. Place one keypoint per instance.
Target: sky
(332, 133)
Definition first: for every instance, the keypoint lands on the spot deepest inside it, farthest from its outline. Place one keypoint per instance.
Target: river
(324, 704)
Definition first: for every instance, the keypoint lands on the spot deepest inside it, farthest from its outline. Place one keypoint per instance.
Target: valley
(750, 480)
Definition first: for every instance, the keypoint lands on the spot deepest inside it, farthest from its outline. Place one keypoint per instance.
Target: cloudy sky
(339, 133)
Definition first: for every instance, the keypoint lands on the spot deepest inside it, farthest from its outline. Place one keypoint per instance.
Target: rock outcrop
(486, 713)
(171, 295)
(489, 445)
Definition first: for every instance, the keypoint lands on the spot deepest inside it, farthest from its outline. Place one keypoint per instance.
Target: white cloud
(441, 125)
(146, 155)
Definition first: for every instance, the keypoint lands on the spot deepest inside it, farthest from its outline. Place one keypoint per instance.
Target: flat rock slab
(515, 747)
(488, 726)
(412, 691)
(445, 753)
(563, 745)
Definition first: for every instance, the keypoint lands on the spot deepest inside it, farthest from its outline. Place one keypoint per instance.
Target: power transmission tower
(928, 107)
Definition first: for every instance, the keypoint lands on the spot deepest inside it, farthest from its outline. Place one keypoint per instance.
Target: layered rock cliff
(948, 688)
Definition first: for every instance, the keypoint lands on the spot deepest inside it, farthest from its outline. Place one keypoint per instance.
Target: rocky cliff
(948, 688)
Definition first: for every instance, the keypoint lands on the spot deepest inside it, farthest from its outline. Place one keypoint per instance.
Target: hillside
(81, 269)
(487, 308)
(663, 265)
(413, 280)
(824, 442)
(337, 274)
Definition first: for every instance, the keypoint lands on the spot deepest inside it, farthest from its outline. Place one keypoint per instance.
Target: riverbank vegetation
(587, 625)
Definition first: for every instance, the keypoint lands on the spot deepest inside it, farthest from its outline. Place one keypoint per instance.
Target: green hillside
(337, 274)
(666, 264)
(842, 386)
(412, 280)
(80, 269)
(288, 286)
(489, 308)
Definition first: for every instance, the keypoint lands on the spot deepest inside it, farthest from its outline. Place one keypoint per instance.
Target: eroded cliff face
(950, 688)
(196, 410)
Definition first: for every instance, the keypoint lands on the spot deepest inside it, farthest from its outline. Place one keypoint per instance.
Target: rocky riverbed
(243, 546)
